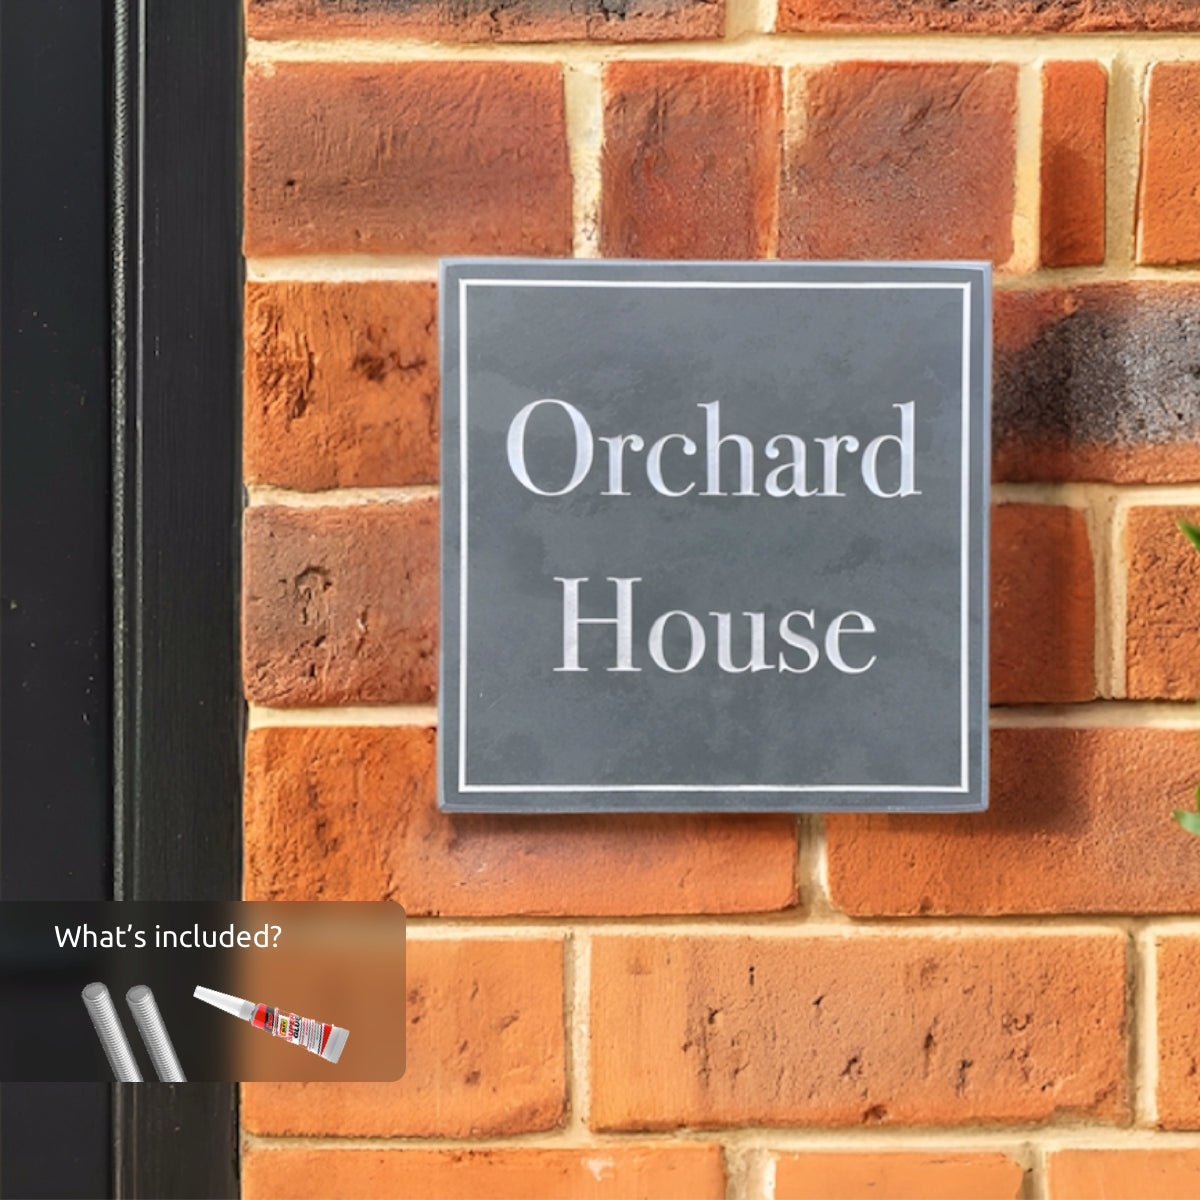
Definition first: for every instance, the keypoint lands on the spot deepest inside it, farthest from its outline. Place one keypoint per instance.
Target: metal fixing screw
(154, 1033)
(111, 1033)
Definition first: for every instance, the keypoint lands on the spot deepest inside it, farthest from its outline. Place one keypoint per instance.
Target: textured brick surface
(339, 605)
(987, 16)
(897, 1175)
(690, 164)
(488, 20)
(341, 384)
(1162, 639)
(852, 1030)
(1168, 1174)
(1079, 821)
(1169, 196)
(485, 1050)
(900, 160)
(406, 158)
(612, 1172)
(1073, 156)
(1098, 382)
(1043, 606)
(1178, 1008)
(350, 814)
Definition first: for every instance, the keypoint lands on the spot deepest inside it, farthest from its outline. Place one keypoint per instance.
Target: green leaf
(1189, 820)
(1191, 532)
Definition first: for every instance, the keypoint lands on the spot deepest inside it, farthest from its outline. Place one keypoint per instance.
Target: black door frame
(121, 277)
(177, 503)
(55, 652)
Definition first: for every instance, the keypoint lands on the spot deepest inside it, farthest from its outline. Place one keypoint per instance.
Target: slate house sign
(713, 536)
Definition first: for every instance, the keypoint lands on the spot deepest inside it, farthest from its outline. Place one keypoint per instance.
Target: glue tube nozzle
(233, 1005)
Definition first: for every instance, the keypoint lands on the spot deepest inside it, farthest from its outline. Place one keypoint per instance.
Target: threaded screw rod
(154, 1034)
(111, 1033)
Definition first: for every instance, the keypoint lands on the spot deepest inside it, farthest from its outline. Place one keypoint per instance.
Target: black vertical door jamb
(120, 501)
(177, 282)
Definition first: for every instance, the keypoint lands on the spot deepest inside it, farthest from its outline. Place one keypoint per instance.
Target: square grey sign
(714, 536)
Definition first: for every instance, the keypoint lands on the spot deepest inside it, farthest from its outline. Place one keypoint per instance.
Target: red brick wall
(995, 1005)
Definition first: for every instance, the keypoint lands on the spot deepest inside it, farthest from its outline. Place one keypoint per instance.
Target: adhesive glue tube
(325, 1040)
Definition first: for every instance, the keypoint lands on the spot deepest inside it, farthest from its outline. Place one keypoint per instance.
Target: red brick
(1168, 1174)
(487, 20)
(1169, 195)
(897, 1175)
(986, 16)
(1079, 821)
(406, 158)
(1074, 96)
(691, 160)
(1162, 631)
(860, 1027)
(339, 605)
(341, 384)
(1097, 382)
(1043, 606)
(341, 813)
(1178, 1007)
(485, 1049)
(612, 1171)
(901, 160)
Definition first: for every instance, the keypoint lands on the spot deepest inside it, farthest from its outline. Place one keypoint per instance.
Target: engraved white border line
(965, 517)
(964, 290)
(462, 538)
